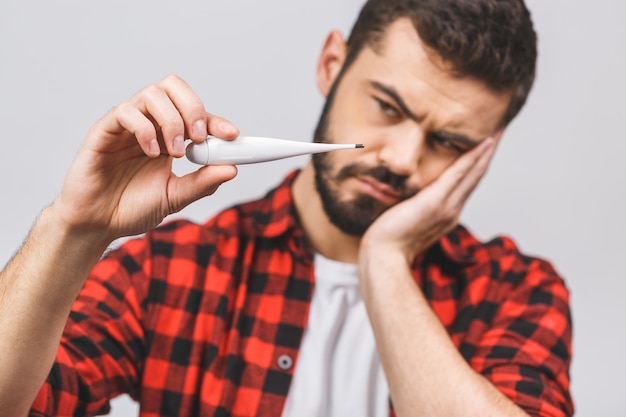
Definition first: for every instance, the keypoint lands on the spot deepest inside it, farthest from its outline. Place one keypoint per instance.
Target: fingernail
(179, 144)
(154, 147)
(199, 129)
(227, 126)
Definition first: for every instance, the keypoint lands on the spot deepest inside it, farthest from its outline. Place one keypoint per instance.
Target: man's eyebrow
(395, 96)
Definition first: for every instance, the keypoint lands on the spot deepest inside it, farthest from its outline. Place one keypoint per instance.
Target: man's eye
(387, 108)
(446, 143)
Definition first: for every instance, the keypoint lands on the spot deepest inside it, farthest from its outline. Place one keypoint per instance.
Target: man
(348, 289)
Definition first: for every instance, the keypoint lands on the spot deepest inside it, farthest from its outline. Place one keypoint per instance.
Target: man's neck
(324, 237)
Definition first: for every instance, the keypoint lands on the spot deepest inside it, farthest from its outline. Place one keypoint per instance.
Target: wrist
(85, 240)
(381, 268)
(381, 255)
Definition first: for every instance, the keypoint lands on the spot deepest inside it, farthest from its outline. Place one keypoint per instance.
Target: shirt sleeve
(526, 349)
(100, 352)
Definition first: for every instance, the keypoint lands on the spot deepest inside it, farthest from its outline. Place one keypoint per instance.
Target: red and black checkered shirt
(191, 320)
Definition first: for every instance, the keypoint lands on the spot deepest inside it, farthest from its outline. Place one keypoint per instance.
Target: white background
(556, 186)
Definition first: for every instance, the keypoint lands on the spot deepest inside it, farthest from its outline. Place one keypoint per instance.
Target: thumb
(183, 191)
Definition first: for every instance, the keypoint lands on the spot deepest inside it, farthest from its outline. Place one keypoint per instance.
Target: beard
(351, 216)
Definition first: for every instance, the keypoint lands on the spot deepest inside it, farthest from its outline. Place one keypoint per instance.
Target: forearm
(426, 373)
(37, 289)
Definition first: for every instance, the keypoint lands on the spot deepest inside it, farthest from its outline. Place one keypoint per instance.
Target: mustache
(380, 173)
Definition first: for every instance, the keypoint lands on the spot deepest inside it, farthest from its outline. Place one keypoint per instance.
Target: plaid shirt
(206, 320)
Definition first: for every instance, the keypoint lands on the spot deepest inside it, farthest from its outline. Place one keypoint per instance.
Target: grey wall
(556, 185)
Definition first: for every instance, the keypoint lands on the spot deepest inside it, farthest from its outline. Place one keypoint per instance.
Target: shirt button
(285, 362)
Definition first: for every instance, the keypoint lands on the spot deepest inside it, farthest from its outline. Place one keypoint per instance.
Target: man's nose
(402, 152)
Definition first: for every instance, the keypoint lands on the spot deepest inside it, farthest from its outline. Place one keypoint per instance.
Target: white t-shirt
(338, 372)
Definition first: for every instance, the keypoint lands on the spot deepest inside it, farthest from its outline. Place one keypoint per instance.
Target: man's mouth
(378, 190)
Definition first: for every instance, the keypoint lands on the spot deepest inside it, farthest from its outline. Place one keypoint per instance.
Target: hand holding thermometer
(250, 150)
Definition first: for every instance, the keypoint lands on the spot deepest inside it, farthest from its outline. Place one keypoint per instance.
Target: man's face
(415, 118)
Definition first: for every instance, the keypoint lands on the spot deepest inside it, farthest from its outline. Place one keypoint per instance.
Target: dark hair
(491, 40)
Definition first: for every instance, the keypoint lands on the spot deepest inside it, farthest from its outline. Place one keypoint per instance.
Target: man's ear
(331, 61)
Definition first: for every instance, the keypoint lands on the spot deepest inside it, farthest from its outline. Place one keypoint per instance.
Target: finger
(201, 183)
(221, 128)
(472, 177)
(126, 117)
(454, 175)
(188, 105)
(448, 193)
(158, 106)
(198, 122)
